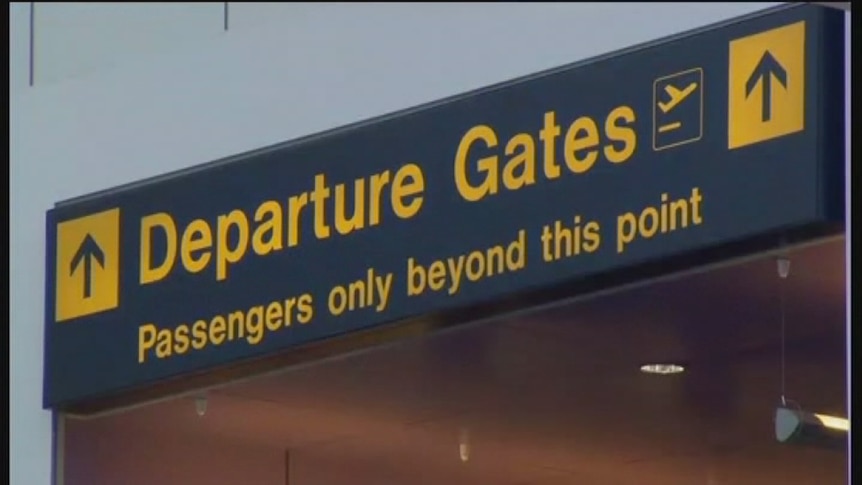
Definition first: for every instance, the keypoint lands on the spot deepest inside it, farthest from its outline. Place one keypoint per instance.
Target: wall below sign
(137, 110)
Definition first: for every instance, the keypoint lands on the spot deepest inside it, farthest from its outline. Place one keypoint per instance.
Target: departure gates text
(486, 163)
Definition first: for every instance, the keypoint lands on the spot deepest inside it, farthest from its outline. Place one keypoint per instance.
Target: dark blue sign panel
(715, 136)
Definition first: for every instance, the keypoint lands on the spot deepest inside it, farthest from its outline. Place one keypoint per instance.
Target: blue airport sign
(718, 136)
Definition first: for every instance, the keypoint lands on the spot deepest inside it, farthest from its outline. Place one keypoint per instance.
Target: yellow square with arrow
(87, 273)
(766, 85)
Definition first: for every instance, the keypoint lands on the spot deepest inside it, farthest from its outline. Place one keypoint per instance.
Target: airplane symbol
(677, 110)
(676, 96)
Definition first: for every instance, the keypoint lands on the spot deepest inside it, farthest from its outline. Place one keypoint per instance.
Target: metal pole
(58, 448)
(847, 226)
(32, 38)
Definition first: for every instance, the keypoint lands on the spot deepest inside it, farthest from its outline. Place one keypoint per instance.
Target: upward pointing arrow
(767, 69)
(87, 252)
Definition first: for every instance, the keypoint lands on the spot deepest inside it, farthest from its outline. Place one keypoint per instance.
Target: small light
(201, 405)
(833, 422)
(464, 445)
(663, 369)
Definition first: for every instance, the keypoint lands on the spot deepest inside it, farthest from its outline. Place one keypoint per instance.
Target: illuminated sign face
(712, 138)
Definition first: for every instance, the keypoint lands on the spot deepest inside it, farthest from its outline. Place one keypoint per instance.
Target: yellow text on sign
(88, 265)
(766, 90)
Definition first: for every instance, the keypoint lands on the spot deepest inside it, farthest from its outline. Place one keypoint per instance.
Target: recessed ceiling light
(663, 369)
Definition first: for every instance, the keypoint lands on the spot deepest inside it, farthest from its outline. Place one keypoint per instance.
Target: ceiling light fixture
(662, 369)
(464, 445)
(201, 405)
(795, 426)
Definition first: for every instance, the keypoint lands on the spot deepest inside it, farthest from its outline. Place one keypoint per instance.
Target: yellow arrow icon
(766, 86)
(88, 265)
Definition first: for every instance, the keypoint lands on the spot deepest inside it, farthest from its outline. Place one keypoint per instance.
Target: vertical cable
(783, 273)
(32, 38)
(225, 16)
(783, 345)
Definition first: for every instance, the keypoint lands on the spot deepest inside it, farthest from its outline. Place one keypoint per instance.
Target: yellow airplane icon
(676, 96)
(677, 121)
